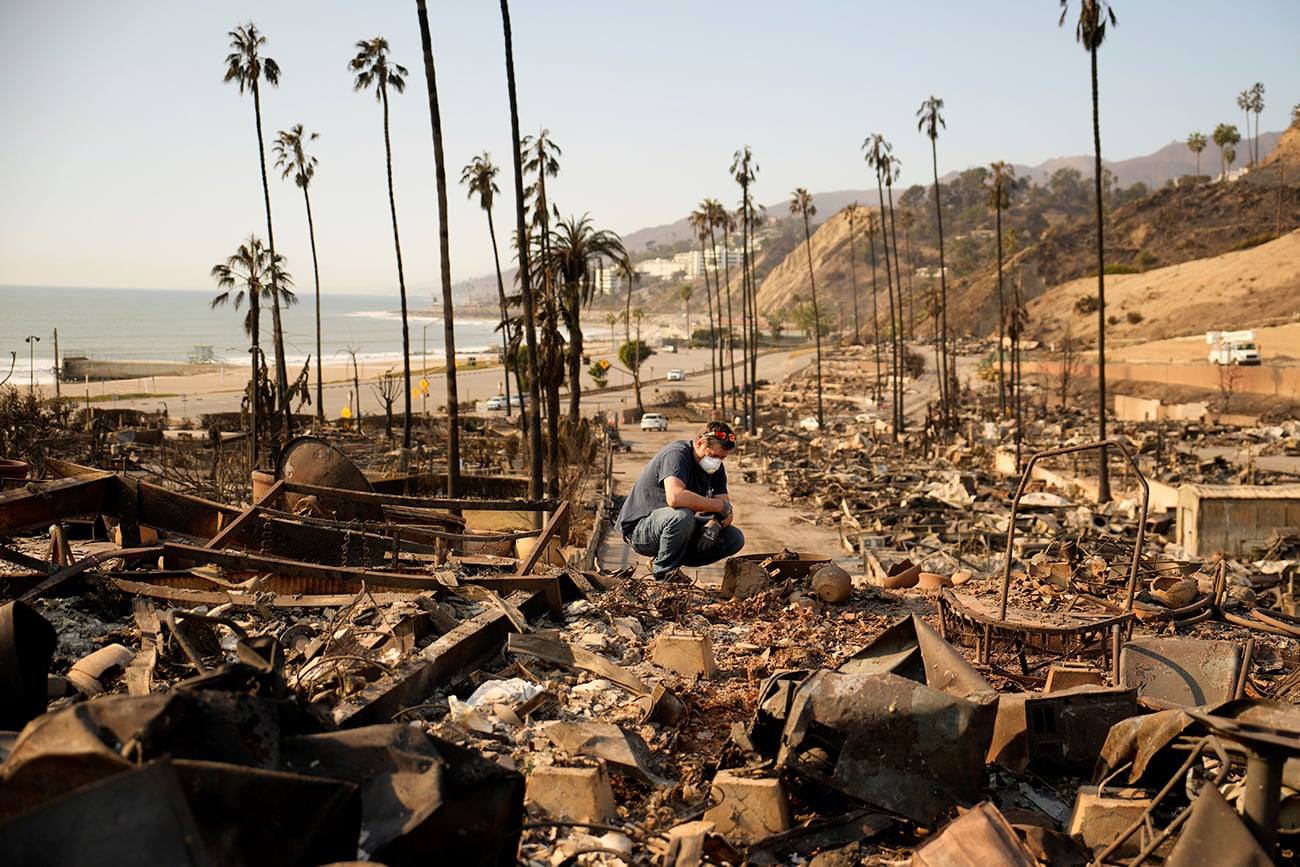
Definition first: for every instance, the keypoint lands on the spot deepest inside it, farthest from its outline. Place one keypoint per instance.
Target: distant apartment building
(691, 264)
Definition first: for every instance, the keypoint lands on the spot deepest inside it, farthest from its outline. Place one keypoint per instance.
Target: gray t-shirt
(675, 459)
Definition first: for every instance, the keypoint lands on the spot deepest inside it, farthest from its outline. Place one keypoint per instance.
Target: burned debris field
(921, 656)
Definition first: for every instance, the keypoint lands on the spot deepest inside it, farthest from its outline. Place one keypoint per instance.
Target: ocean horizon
(180, 324)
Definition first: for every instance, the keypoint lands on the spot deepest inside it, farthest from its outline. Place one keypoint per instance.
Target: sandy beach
(189, 397)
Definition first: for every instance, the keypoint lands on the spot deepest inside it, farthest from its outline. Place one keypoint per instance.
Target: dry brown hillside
(1210, 223)
(1243, 289)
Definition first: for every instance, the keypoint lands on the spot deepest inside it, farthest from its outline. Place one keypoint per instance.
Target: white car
(496, 402)
(676, 375)
(654, 421)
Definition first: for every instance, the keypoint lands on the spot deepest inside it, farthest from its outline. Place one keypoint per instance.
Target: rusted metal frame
(449, 655)
(1015, 504)
(272, 493)
(959, 622)
(185, 595)
(175, 552)
(43, 503)
(1225, 766)
(558, 518)
(85, 564)
(423, 502)
(1047, 631)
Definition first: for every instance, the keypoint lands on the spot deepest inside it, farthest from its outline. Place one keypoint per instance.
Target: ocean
(176, 325)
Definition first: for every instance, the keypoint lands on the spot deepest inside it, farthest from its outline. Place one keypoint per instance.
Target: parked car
(498, 401)
(654, 421)
(676, 375)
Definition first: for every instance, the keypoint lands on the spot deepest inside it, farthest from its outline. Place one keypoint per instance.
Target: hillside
(1172, 227)
(1241, 289)
(1154, 169)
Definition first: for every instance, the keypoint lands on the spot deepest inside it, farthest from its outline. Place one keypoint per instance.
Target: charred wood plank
(180, 592)
(85, 564)
(174, 553)
(239, 523)
(558, 519)
(18, 558)
(452, 654)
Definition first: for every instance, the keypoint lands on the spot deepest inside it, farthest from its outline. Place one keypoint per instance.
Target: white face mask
(710, 464)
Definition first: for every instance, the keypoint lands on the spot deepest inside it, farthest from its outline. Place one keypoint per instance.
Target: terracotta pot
(932, 581)
(1174, 592)
(832, 583)
(902, 574)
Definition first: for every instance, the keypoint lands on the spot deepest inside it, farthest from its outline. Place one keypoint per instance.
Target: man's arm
(680, 498)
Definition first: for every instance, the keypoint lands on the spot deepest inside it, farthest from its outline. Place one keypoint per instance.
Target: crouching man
(679, 512)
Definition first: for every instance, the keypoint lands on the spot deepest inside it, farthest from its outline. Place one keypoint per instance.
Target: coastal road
(221, 391)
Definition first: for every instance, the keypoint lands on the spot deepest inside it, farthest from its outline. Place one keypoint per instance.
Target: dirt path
(768, 524)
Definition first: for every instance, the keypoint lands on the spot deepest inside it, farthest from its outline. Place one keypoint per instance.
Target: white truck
(1232, 347)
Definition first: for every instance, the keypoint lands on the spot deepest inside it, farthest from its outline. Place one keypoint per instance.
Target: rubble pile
(342, 670)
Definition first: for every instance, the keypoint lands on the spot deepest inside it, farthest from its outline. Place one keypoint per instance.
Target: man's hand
(709, 536)
(725, 512)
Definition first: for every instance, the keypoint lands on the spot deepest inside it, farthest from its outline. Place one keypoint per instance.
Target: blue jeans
(669, 536)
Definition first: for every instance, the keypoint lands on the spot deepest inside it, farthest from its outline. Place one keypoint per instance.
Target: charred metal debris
(352, 669)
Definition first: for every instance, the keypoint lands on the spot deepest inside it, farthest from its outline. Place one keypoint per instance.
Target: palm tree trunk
(401, 279)
(752, 416)
(444, 248)
(575, 357)
(708, 297)
(853, 270)
(875, 315)
(945, 381)
(1017, 371)
(1002, 319)
(889, 290)
(525, 283)
(551, 329)
(898, 277)
(277, 335)
(817, 320)
(1103, 472)
(730, 361)
(505, 313)
(911, 268)
(315, 267)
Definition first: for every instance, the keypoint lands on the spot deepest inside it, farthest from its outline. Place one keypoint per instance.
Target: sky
(126, 162)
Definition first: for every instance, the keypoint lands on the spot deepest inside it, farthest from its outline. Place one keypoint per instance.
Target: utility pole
(58, 373)
(31, 340)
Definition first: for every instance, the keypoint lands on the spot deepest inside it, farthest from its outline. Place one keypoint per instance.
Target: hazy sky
(127, 162)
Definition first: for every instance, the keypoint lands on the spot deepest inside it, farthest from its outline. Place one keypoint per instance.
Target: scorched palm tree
(801, 205)
(374, 69)
(293, 159)
(247, 67)
(1090, 32)
(479, 178)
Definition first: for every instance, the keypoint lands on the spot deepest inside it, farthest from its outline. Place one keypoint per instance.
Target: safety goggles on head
(727, 439)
